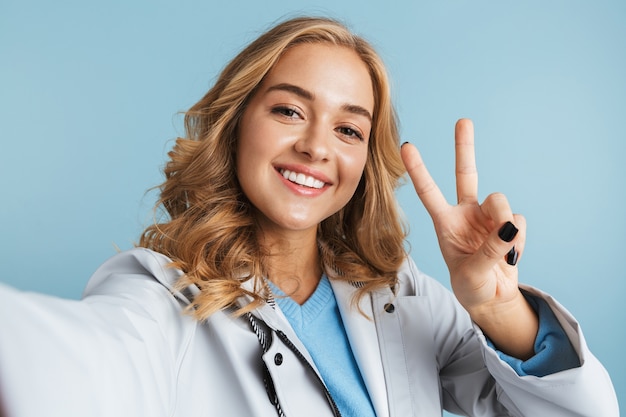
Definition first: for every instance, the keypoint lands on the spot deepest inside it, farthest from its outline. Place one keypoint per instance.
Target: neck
(294, 264)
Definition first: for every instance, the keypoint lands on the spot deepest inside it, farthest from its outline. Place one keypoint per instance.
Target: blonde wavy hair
(210, 232)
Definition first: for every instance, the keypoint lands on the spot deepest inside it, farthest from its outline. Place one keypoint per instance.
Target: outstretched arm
(481, 244)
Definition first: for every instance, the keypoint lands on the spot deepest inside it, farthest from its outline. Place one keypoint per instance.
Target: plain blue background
(90, 95)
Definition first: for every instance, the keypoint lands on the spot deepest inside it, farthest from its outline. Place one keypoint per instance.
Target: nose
(314, 143)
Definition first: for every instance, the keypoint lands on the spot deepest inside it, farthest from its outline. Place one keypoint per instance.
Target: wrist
(512, 325)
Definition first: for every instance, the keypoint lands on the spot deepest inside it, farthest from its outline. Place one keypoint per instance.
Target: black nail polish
(511, 257)
(507, 232)
(403, 143)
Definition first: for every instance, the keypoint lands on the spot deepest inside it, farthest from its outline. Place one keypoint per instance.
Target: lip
(301, 189)
(318, 175)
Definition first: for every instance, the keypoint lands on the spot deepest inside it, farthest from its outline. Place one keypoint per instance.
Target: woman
(283, 244)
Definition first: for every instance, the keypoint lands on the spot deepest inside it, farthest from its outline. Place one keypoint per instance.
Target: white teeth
(300, 178)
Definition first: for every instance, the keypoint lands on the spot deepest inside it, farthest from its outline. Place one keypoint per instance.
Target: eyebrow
(307, 95)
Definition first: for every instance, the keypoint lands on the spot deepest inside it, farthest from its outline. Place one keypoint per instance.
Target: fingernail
(511, 257)
(403, 143)
(507, 232)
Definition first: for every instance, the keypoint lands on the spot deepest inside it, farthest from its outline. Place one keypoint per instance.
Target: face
(303, 137)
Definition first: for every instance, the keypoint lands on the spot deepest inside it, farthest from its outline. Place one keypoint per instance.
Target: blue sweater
(318, 325)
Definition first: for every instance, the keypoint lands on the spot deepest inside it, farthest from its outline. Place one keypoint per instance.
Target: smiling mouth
(301, 179)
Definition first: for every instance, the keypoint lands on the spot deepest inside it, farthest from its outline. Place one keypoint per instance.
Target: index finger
(426, 188)
(466, 173)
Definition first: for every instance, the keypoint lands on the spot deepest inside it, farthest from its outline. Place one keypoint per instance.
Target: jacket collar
(274, 318)
(361, 332)
(363, 339)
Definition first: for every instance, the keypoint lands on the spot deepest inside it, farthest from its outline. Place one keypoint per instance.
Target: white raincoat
(126, 349)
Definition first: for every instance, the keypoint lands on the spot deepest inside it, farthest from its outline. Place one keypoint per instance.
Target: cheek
(248, 150)
(247, 165)
(244, 159)
(354, 166)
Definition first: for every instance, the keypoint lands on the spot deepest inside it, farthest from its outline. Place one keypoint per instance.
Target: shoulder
(137, 287)
(135, 268)
(446, 315)
(413, 281)
(128, 317)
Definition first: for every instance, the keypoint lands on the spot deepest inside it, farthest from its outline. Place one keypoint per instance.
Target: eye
(286, 111)
(350, 132)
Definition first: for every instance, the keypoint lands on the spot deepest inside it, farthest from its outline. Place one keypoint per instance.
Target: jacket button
(278, 359)
(389, 308)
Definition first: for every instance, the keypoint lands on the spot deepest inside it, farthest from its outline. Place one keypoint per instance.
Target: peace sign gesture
(481, 244)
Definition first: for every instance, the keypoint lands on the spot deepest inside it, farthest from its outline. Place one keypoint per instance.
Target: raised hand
(481, 244)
